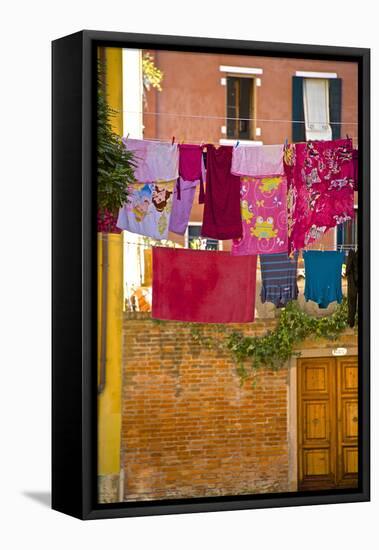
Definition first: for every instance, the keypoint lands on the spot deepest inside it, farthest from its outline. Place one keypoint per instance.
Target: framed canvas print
(210, 274)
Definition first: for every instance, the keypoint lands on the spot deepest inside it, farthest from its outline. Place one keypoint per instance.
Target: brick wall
(189, 429)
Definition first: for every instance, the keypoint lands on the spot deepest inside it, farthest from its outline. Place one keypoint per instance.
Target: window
(193, 239)
(240, 107)
(316, 108)
(347, 233)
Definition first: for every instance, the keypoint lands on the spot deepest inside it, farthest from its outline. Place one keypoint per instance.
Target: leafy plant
(115, 164)
(276, 347)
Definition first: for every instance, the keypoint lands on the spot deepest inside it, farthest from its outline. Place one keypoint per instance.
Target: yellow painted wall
(113, 60)
(109, 401)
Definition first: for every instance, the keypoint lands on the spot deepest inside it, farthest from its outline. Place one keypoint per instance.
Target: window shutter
(298, 126)
(335, 97)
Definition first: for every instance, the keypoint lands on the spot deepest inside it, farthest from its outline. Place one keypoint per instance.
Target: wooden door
(327, 422)
(347, 411)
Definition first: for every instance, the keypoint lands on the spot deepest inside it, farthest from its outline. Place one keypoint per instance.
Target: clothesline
(198, 141)
(253, 210)
(232, 118)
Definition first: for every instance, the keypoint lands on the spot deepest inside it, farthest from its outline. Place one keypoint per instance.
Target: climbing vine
(274, 348)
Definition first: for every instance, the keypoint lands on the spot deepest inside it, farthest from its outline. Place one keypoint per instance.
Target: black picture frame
(74, 386)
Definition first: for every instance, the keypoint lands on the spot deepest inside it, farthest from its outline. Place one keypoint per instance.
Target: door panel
(327, 422)
(350, 457)
(347, 411)
(315, 378)
(316, 462)
(317, 425)
(349, 419)
(315, 431)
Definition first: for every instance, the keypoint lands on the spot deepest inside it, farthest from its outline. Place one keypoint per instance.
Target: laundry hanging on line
(323, 276)
(202, 286)
(320, 177)
(264, 216)
(279, 278)
(148, 209)
(181, 208)
(155, 160)
(185, 190)
(352, 274)
(222, 212)
(191, 168)
(355, 168)
(259, 161)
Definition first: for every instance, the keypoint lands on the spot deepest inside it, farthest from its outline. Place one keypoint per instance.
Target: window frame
(252, 107)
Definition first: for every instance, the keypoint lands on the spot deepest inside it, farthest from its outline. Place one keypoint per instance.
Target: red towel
(202, 286)
(222, 210)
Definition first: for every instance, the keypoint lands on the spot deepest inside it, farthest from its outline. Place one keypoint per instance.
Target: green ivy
(115, 164)
(276, 347)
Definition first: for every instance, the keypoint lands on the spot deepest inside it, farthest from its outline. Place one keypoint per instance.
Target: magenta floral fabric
(264, 216)
(320, 176)
(106, 222)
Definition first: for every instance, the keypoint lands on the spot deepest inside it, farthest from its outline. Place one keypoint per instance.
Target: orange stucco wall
(192, 91)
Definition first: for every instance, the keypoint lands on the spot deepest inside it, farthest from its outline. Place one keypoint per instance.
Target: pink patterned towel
(264, 216)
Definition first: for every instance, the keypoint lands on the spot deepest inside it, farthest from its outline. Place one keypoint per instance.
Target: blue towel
(323, 276)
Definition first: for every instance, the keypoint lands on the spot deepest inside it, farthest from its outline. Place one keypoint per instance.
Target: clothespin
(173, 140)
(347, 136)
(127, 136)
(237, 143)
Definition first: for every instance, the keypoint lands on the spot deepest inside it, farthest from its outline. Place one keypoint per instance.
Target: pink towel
(264, 216)
(202, 286)
(155, 160)
(191, 166)
(260, 160)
